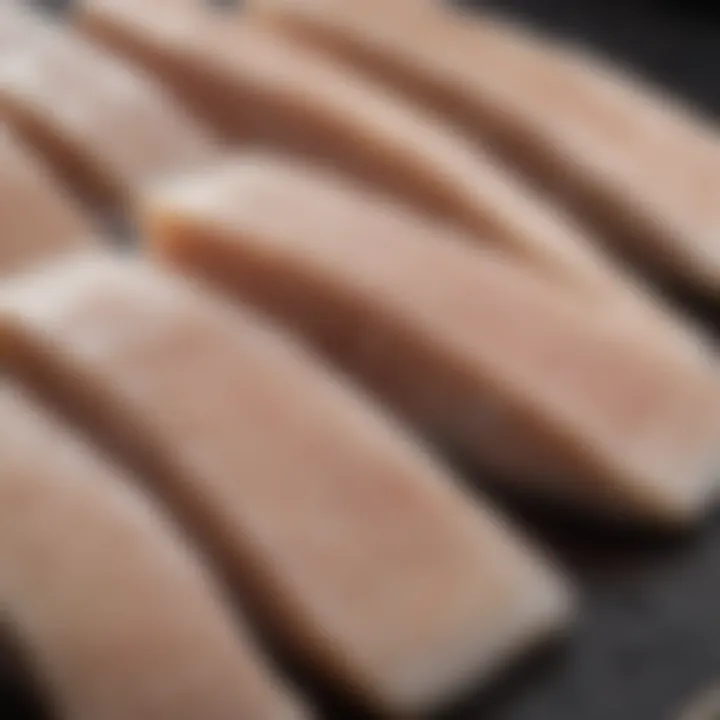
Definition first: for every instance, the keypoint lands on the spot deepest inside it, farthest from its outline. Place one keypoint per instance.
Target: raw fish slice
(258, 87)
(104, 126)
(358, 552)
(117, 614)
(479, 352)
(644, 170)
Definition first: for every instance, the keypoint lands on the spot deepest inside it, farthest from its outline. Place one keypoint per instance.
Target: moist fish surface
(105, 127)
(116, 612)
(357, 551)
(639, 166)
(257, 87)
(39, 220)
(482, 354)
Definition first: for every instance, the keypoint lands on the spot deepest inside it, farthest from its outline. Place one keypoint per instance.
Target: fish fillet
(640, 167)
(117, 614)
(105, 127)
(358, 552)
(261, 88)
(39, 221)
(482, 354)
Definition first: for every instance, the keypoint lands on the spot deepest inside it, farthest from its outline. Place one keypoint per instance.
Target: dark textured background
(648, 638)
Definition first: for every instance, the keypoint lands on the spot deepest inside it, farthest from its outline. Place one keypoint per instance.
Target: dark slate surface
(648, 638)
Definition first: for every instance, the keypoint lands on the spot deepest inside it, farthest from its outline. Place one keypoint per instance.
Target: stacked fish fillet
(371, 234)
